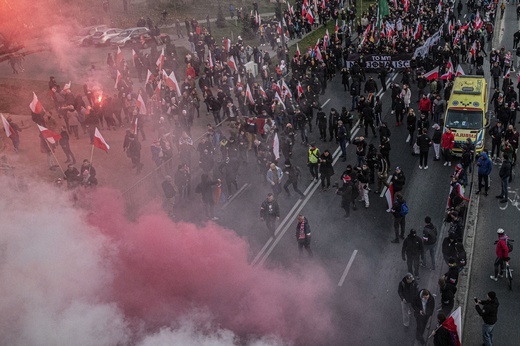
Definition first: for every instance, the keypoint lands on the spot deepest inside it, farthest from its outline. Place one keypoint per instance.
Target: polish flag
(299, 88)
(227, 44)
(160, 60)
(322, 4)
(304, 9)
(478, 22)
(35, 105)
(99, 141)
(279, 28)
(148, 76)
(418, 29)
(473, 49)
(310, 18)
(134, 56)
(118, 78)
(231, 63)
(210, 60)
(448, 74)
(336, 27)
(286, 91)
(276, 146)
(264, 95)
(290, 9)
(406, 5)
(460, 71)
(389, 195)
(277, 97)
(298, 54)
(450, 27)
(433, 74)
(158, 89)
(50, 136)
(8, 129)
(171, 82)
(119, 56)
(454, 325)
(508, 73)
(249, 95)
(67, 85)
(140, 105)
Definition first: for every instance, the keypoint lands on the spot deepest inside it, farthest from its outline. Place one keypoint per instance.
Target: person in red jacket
(447, 144)
(502, 252)
(425, 105)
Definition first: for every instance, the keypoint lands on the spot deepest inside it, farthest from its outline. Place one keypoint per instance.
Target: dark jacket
(399, 182)
(442, 337)
(269, 209)
(326, 168)
(417, 305)
(488, 311)
(429, 234)
(306, 235)
(407, 291)
(505, 170)
(412, 247)
(452, 275)
(424, 142)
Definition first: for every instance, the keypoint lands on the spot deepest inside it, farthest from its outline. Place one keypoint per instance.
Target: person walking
(447, 144)
(313, 156)
(65, 145)
(274, 177)
(169, 195)
(506, 174)
(484, 170)
(303, 235)
(293, 173)
(424, 142)
(270, 212)
(134, 152)
(436, 139)
(442, 336)
(423, 306)
(326, 169)
(429, 241)
(413, 251)
(502, 252)
(342, 139)
(407, 291)
(399, 212)
(205, 188)
(447, 292)
(488, 310)
(346, 192)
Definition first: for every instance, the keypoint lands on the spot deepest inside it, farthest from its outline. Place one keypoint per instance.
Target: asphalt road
(491, 216)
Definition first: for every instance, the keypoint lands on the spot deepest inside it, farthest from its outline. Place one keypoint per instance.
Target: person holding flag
(12, 131)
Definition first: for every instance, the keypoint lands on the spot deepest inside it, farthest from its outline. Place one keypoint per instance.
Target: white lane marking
(345, 272)
(242, 189)
(324, 103)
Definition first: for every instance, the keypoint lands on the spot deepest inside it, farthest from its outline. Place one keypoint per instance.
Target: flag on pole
(298, 54)
(148, 76)
(277, 97)
(158, 89)
(406, 5)
(134, 130)
(433, 74)
(140, 105)
(119, 56)
(449, 72)
(210, 59)
(285, 90)
(7, 127)
(99, 141)
(478, 21)
(134, 56)
(336, 27)
(264, 95)
(454, 325)
(418, 29)
(460, 71)
(473, 49)
(310, 17)
(389, 195)
(49, 135)
(299, 88)
(118, 78)
(67, 85)
(171, 82)
(231, 63)
(508, 73)
(227, 44)
(276, 146)
(35, 105)
(249, 96)
(160, 60)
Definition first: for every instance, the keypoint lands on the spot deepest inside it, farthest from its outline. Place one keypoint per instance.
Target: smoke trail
(90, 277)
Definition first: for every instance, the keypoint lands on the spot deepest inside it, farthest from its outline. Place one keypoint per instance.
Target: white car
(131, 36)
(103, 38)
(84, 36)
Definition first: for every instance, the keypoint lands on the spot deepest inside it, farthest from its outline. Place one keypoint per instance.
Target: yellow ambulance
(466, 112)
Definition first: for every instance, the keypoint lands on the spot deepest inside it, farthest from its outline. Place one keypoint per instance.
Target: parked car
(131, 37)
(103, 38)
(84, 36)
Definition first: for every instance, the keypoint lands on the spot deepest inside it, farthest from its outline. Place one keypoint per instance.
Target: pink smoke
(91, 274)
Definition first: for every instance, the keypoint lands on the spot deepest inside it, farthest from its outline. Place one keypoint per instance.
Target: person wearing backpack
(399, 211)
(293, 174)
(429, 240)
(503, 248)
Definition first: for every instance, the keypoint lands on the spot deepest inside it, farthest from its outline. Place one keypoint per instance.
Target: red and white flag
(67, 85)
(119, 56)
(148, 76)
(35, 105)
(160, 60)
(389, 195)
(478, 22)
(406, 5)
(418, 29)
(277, 97)
(336, 27)
(276, 146)
(508, 73)
(249, 96)
(262, 91)
(298, 54)
(473, 49)
(158, 89)
(449, 72)
(310, 17)
(460, 71)
(231, 63)
(134, 56)
(140, 105)
(210, 59)
(99, 141)
(50, 136)
(285, 90)
(454, 325)
(171, 82)
(118, 78)
(450, 27)
(227, 44)
(299, 88)
(433, 74)
(279, 28)
(7, 127)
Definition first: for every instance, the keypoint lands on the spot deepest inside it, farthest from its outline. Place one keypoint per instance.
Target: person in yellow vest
(313, 161)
